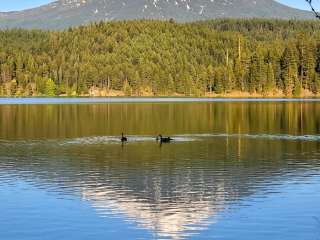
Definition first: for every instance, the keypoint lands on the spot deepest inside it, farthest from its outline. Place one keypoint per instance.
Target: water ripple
(176, 139)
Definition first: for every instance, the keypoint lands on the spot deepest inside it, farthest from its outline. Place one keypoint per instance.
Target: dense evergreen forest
(149, 57)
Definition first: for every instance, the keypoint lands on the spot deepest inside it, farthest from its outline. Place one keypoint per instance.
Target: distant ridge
(65, 13)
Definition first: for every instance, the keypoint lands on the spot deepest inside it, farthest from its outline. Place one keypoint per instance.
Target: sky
(12, 5)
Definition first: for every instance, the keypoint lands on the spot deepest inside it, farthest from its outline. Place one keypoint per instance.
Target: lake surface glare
(235, 170)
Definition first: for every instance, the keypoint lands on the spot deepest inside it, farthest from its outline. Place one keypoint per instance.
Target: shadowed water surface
(238, 170)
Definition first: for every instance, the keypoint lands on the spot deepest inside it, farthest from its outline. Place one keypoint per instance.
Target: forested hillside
(149, 57)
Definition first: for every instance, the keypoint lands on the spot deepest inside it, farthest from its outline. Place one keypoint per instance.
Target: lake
(239, 169)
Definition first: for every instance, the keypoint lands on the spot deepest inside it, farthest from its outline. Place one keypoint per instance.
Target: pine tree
(136, 83)
(50, 87)
(171, 86)
(218, 79)
(239, 70)
(270, 85)
(19, 71)
(297, 87)
(307, 62)
(211, 80)
(317, 83)
(289, 69)
(127, 88)
(254, 77)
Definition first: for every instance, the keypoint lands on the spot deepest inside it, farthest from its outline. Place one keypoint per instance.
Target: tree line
(163, 58)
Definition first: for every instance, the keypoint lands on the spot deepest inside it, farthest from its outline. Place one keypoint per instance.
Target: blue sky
(10, 5)
(300, 3)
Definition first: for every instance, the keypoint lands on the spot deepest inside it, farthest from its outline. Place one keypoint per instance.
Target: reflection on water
(231, 173)
(72, 121)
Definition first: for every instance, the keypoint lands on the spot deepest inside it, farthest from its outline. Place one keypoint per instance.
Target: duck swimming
(123, 138)
(164, 139)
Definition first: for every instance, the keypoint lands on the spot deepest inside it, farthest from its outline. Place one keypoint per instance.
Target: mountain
(65, 13)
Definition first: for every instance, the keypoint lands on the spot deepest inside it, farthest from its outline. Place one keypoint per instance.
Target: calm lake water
(236, 170)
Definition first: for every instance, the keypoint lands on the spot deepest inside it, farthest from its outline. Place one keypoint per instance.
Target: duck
(123, 138)
(164, 139)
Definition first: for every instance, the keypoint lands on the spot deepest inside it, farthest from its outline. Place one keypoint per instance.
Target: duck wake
(97, 140)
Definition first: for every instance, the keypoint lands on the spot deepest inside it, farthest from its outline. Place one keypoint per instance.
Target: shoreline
(101, 100)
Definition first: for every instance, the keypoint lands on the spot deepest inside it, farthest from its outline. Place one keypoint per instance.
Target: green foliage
(297, 88)
(50, 87)
(165, 57)
(270, 83)
(317, 84)
(12, 88)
